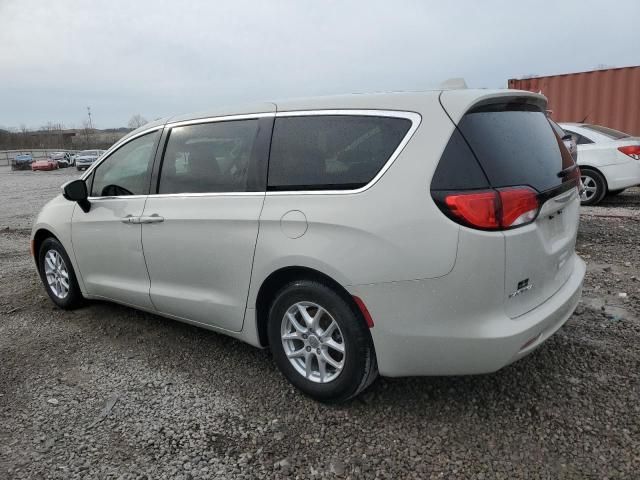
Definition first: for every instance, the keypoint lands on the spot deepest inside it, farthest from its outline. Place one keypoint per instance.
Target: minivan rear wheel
(320, 343)
(595, 187)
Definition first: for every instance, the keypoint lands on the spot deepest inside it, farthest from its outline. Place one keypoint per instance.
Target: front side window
(127, 170)
(326, 152)
(209, 158)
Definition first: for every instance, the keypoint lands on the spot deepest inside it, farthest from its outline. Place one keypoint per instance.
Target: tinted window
(556, 128)
(211, 157)
(127, 170)
(515, 145)
(458, 169)
(331, 151)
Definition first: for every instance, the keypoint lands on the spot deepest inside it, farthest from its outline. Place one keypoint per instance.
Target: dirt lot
(193, 404)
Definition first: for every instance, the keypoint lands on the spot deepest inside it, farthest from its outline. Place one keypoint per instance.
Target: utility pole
(89, 113)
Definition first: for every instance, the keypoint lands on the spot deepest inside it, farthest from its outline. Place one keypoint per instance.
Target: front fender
(55, 218)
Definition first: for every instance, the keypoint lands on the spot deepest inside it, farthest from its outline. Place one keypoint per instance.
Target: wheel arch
(278, 279)
(596, 169)
(40, 236)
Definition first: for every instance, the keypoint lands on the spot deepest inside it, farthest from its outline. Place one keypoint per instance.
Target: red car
(46, 164)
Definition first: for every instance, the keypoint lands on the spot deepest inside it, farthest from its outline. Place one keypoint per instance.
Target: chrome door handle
(155, 218)
(130, 219)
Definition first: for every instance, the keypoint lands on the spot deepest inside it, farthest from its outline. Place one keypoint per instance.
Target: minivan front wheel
(57, 275)
(319, 342)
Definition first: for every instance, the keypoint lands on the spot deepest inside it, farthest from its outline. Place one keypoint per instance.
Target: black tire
(73, 298)
(593, 179)
(359, 369)
(613, 193)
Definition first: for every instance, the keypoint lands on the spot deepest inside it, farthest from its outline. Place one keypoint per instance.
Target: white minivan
(402, 234)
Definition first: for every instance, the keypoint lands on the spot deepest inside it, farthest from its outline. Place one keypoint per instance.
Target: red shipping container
(608, 97)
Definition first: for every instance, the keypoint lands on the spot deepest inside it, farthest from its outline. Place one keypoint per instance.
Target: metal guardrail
(7, 156)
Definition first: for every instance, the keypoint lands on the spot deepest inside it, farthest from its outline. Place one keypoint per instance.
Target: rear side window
(333, 152)
(515, 145)
(579, 139)
(209, 158)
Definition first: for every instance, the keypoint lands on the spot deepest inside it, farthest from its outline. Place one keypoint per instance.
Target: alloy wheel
(55, 269)
(590, 188)
(313, 342)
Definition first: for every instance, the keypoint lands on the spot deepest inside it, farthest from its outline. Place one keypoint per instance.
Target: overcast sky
(162, 58)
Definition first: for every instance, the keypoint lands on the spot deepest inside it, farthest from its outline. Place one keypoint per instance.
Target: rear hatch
(530, 181)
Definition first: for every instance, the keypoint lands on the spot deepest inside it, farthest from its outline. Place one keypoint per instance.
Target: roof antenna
(586, 116)
(454, 84)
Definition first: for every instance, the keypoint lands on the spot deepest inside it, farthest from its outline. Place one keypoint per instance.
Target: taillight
(498, 209)
(477, 209)
(519, 206)
(632, 150)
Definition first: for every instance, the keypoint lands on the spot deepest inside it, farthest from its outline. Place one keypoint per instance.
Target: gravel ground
(109, 392)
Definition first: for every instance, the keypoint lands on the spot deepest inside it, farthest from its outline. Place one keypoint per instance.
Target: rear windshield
(608, 132)
(515, 145)
(317, 152)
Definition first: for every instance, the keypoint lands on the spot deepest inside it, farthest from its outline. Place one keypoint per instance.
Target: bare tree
(25, 139)
(137, 121)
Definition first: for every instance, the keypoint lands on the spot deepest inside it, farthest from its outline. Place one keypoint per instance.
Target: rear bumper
(470, 344)
(622, 175)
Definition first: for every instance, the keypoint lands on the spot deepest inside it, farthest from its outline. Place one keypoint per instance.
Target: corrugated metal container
(604, 97)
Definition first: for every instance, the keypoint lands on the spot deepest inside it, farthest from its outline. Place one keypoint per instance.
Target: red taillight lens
(519, 206)
(632, 150)
(493, 209)
(477, 209)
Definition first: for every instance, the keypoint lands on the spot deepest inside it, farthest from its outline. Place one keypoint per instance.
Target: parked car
(63, 159)
(351, 235)
(85, 158)
(609, 160)
(22, 161)
(568, 140)
(46, 164)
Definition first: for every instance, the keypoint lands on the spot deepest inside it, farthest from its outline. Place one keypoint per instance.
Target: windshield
(608, 132)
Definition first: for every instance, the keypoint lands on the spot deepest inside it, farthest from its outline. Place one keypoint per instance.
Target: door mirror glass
(76, 191)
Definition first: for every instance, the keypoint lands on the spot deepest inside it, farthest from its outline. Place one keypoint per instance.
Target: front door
(107, 239)
(199, 231)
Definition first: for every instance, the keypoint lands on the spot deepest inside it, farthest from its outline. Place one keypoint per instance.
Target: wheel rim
(590, 188)
(55, 269)
(313, 342)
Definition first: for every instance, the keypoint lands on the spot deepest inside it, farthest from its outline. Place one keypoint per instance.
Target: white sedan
(609, 160)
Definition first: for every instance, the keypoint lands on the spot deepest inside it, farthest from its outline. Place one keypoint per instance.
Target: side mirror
(76, 191)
